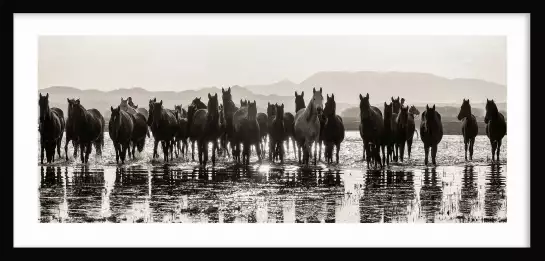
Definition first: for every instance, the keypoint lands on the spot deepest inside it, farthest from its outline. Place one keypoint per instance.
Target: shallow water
(143, 190)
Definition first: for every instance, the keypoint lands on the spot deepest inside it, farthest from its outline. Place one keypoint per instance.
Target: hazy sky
(190, 62)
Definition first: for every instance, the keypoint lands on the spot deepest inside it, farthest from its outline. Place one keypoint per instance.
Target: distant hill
(103, 100)
(416, 88)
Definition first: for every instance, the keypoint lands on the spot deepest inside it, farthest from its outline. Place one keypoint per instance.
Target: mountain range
(417, 88)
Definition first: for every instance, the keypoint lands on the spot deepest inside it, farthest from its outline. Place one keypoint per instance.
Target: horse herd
(227, 126)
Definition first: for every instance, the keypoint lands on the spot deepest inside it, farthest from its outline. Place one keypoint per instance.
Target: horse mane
(310, 110)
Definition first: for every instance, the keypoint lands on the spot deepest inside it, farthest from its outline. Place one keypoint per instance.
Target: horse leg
(493, 145)
(466, 140)
(271, 149)
(76, 147)
(402, 150)
(214, 148)
(498, 151)
(42, 150)
(471, 143)
(317, 143)
(259, 154)
(433, 154)
(89, 149)
(409, 145)
(66, 147)
(82, 152)
(426, 151)
(293, 146)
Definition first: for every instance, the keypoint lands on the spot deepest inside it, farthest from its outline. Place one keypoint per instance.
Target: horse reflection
(430, 195)
(468, 193)
(494, 196)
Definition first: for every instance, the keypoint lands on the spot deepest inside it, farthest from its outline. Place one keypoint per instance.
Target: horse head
(465, 110)
(491, 110)
(414, 111)
(299, 101)
(388, 110)
(396, 104)
(318, 100)
(243, 103)
(279, 111)
(178, 108)
(131, 103)
(403, 117)
(44, 106)
(157, 109)
(213, 109)
(330, 106)
(252, 111)
(226, 95)
(365, 107)
(428, 116)
(198, 103)
(150, 111)
(271, 110)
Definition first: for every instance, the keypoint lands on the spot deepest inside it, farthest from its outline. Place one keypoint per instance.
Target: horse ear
(313, 90)
(302, 94)
(367, 95)
(332, 96)
(216, 95)
(112, 108)
(361, 97)
(427, 107)
(282, 105)
(434, 107)
(47, 95)
(229, 90)
(209, 96)
(161, 102)
(327, 95)
(320, 89)
(392, 99)
(295, 93)
(68, 100)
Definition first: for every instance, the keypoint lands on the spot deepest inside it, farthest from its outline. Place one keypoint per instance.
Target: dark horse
(277, 132)
(120, 128)
(271, 116)
(183, 132)
(262, 120)
(299, 105)
(412, 128)
(333, 129)
(246, 132)
(90, 127)
(51, 129)
(222, 147)
(371, 130)
(496, 127)
(469, 127)
(164, 127)
(229, 109)
(431, 132)
(206, 127)
(390, 128)
(289, 124)
(71, 130)
(192, 109)
(403, 131)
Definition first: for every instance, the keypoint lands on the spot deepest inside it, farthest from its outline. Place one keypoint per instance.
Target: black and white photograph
(226, 128)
